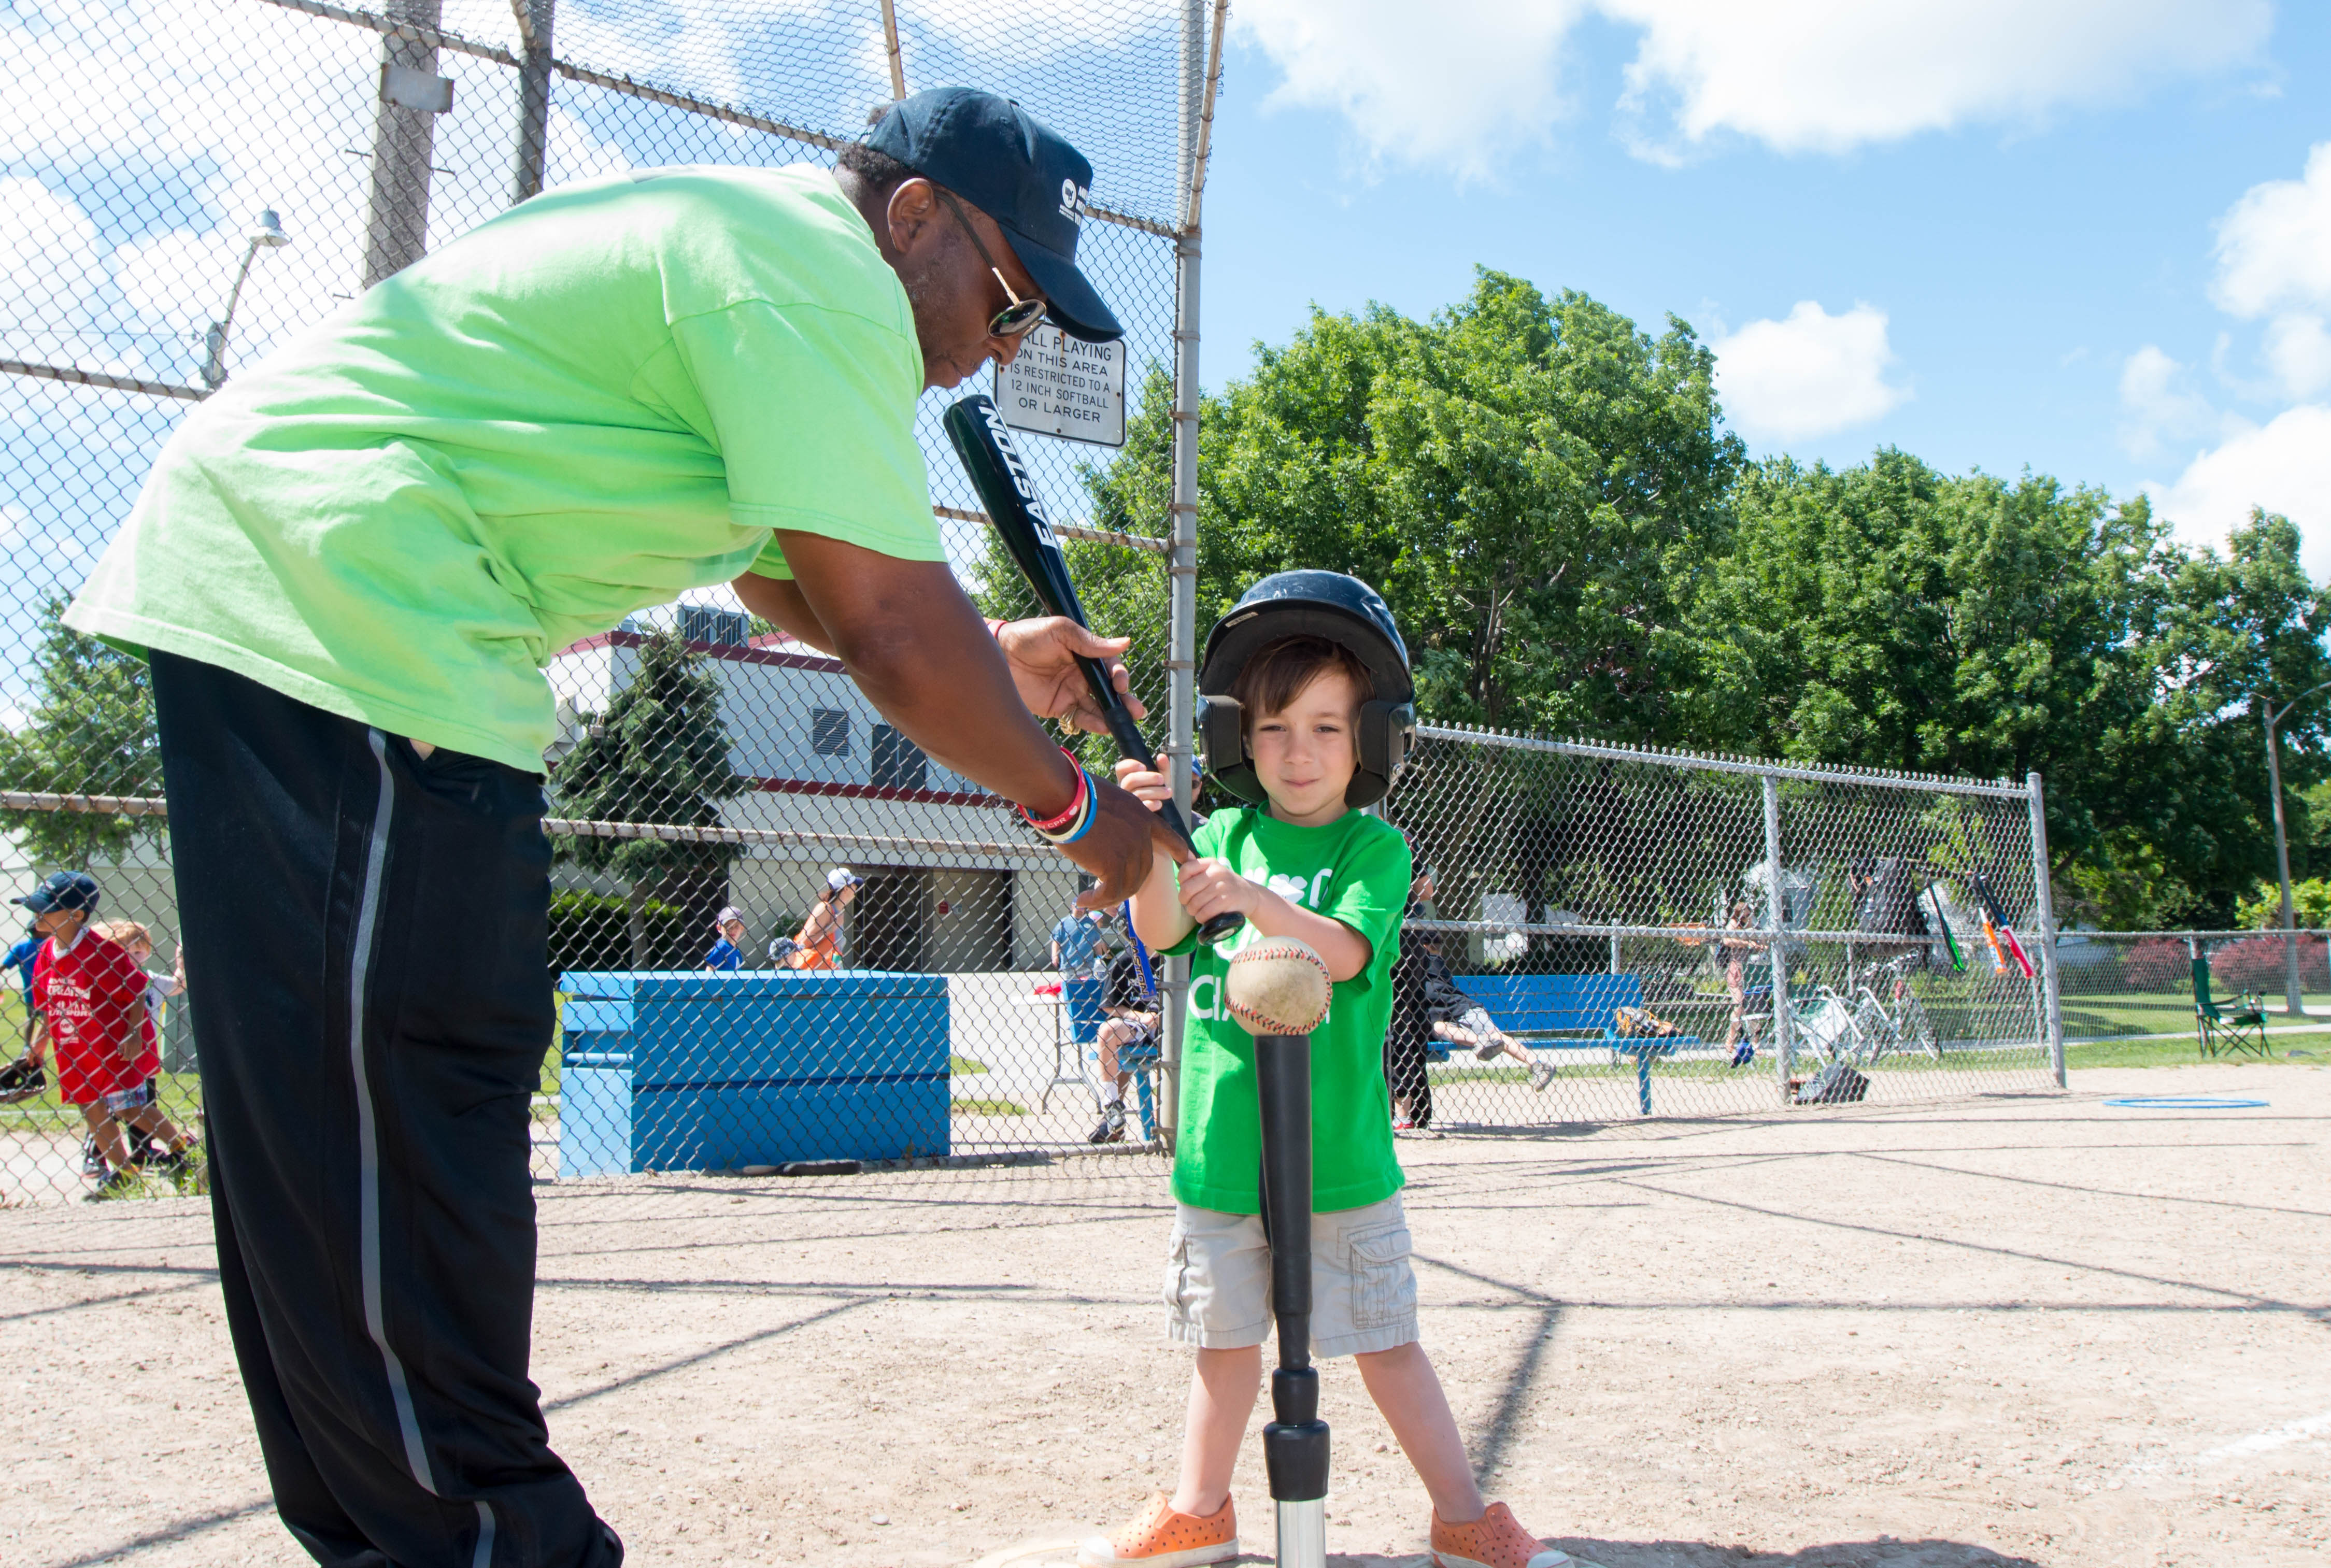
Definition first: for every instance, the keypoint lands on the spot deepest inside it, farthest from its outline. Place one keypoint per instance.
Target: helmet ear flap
(1222, 730)
(1385, 728)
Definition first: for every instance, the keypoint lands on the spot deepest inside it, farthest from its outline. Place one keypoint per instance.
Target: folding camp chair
(2227, 1031)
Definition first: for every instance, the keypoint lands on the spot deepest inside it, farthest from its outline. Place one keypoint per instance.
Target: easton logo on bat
(1000, 434)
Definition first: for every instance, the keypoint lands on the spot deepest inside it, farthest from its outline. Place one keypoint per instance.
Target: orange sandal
(1495, 1540)
(1161, 1538)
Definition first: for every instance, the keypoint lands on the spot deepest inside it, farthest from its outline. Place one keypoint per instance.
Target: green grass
(962, 1065)
(179, 1094)
(988, 1108)
(2091, 1013)
(1438, 1075)
(2186, 1053)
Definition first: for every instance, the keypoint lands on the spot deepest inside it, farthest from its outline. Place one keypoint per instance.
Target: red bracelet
(995, 629)
(1076, 803)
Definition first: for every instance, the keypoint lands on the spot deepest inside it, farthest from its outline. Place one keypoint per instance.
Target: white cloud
(2158, 405)
(2274, 244)
(1020, 27)
(50, 263)
(2299, 351)
(1447, 87)
(1810, 375)
(1818, 76)
(1453, 83)
(576, 154)
(2274, 261)
(2283, 465)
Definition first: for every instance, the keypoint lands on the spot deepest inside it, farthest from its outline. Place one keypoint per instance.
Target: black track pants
(365, 939)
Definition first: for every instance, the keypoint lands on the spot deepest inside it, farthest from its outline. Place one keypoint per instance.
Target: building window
(829, 731)
(898, 763)
(710, 624)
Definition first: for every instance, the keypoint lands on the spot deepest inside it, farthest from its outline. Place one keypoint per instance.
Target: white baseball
(1279, 985)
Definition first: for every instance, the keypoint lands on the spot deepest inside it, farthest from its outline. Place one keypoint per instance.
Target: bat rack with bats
(984, 442)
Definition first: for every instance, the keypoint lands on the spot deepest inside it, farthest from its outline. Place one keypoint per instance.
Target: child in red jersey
(155, 1141)
(90, 996)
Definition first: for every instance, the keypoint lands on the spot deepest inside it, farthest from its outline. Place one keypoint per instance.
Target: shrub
(2156, 963)
(592, 931)
(2255, 964)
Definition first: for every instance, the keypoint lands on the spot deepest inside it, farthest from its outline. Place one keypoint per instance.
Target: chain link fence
(1629, 932)
(779, 932)
(191, 184)
(2141, 985)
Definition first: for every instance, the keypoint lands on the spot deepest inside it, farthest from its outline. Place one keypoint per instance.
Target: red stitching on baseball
(1268, 950)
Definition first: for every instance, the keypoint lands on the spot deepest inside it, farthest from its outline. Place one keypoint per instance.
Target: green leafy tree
(90, 731)
(1888, 615)
(1534, 485)
(659, 755)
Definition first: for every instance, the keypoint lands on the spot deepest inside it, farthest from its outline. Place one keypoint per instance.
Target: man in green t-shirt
(347, 571)
(1307, 690)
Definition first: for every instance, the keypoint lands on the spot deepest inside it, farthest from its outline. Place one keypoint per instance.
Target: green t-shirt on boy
(1355, 870)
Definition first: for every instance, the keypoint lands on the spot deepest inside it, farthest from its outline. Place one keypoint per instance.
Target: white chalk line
(2283, 1435)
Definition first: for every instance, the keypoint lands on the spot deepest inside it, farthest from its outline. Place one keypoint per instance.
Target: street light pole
(2272, 716)
(269, 233)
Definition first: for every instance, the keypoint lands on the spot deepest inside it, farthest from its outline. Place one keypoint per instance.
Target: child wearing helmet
(1305, 716)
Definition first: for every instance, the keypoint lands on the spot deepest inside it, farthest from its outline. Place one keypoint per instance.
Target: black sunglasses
(1016, 319)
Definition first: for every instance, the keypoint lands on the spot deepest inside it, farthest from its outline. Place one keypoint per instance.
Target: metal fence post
(2046, 906)
(396, 224)
(1777, 925)
(1182, 630)
(534, 20)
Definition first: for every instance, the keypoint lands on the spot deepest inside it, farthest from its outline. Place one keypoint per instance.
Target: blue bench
(1573, 1012)
(695, 1070)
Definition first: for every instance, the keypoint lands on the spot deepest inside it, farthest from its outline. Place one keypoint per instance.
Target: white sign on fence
(1062, 386)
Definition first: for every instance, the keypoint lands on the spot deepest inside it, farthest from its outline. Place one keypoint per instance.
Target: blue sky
(2082, 226)
(2088, 237)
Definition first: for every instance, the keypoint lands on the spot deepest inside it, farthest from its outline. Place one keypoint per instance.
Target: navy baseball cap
(61, 891)
(1017, 170)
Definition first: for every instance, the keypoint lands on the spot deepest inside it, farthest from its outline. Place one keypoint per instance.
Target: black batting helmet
(1326, 604)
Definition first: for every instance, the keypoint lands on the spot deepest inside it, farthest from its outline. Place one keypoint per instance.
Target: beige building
(953, 882)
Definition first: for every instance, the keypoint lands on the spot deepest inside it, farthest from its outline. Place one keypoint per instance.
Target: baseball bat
(1008, 491)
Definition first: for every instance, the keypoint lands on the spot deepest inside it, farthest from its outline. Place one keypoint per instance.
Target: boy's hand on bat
(1145, 785)
(1210, 887)
(1041, 653)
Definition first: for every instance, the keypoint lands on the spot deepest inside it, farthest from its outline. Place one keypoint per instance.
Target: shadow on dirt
(1881, 1553)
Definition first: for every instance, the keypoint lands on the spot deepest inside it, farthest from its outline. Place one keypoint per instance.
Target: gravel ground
(2028, 1330)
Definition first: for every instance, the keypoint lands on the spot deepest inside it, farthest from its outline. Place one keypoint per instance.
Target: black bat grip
(1129, 744)
(1295, 1444)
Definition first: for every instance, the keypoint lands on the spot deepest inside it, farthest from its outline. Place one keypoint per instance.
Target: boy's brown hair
(124, 932)
(1273, 679)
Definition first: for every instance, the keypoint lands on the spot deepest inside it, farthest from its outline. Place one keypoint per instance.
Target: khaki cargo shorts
(1362, 1290)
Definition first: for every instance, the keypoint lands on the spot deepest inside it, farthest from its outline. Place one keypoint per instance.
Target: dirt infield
(2037, 1330)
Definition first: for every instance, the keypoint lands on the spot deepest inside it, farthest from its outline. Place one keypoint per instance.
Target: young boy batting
(1307, 689)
